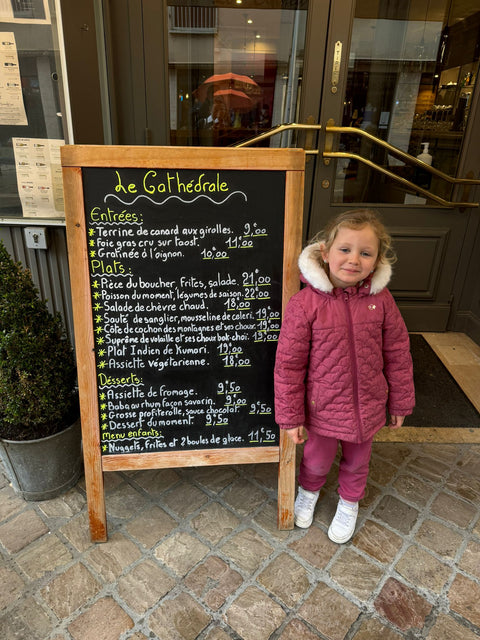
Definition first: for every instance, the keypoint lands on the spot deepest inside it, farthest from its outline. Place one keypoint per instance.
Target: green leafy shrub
(37, 366)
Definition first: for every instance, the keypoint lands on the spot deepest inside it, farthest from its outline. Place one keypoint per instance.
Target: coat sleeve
(291, 365)
(398, 367)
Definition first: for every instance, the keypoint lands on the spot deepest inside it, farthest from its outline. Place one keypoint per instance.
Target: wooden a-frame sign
(181, 261)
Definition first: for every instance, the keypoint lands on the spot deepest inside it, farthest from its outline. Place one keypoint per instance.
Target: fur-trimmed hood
(310, 263)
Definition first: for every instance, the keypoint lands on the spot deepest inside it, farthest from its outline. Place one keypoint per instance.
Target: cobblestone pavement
(195, 553)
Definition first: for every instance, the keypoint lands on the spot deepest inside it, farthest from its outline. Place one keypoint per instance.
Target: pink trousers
(318, 456)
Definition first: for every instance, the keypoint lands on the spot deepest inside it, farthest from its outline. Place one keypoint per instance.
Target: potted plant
(40, 435)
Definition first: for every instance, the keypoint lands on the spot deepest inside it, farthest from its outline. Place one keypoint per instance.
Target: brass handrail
(280, 129)
(398, 152)
(331, 129)
(402, 181)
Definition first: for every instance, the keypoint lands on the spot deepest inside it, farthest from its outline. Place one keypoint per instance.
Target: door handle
(280, 129)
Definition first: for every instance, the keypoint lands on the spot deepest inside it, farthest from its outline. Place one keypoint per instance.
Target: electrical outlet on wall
(36, 237)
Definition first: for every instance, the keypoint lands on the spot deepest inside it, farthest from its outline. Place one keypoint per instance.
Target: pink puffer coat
(343, 356)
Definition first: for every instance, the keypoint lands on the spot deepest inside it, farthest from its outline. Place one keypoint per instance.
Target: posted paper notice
(12, 108)
(39, 176)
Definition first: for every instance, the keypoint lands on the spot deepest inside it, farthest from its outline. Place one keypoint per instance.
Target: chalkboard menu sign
(186, 287)
(181, 263)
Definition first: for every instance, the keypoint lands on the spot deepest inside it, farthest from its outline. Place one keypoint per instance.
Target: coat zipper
(353, 361)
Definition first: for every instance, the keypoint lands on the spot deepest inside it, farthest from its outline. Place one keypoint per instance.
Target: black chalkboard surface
(185, 274)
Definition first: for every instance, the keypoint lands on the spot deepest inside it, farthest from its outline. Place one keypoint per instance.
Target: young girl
(343, 357)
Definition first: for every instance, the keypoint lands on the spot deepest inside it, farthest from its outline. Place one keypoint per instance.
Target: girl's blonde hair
(357, 219)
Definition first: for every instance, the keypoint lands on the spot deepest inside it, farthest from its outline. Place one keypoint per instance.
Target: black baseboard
(422, 317)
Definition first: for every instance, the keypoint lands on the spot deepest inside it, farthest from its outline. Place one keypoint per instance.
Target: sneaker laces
(344, 517)
(306, 500)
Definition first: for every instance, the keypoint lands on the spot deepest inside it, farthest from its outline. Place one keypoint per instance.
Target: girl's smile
(352, 256)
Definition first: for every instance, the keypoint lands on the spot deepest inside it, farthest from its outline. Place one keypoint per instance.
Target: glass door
(404, 73)
(412, 68)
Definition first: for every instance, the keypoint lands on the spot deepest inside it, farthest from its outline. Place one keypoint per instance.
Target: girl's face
(352, 256)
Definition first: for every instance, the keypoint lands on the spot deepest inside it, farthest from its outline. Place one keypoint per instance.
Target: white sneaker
(343, 524)
(304, 507)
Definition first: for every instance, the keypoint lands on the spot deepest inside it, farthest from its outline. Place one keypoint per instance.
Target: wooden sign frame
(74, 159)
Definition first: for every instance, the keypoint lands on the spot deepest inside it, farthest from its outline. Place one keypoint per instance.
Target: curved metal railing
(328, 153)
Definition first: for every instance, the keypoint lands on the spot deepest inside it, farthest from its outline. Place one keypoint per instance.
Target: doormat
(440, 402)
(442, 413)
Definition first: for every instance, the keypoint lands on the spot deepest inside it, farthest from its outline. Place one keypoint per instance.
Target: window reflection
(412, 73)
(233, 72)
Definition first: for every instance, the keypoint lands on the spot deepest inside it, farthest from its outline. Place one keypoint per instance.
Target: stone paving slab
(19, 532)
(195, 554)
(104, 620)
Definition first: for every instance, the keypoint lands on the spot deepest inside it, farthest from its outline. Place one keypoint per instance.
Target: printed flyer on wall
(12, 108)
(39, 176)
(25, 12)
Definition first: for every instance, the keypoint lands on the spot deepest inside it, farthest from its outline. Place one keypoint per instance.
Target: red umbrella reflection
(232, 82)
(233, 99)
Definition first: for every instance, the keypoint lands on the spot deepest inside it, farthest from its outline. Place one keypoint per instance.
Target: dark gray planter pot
(43, 469)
